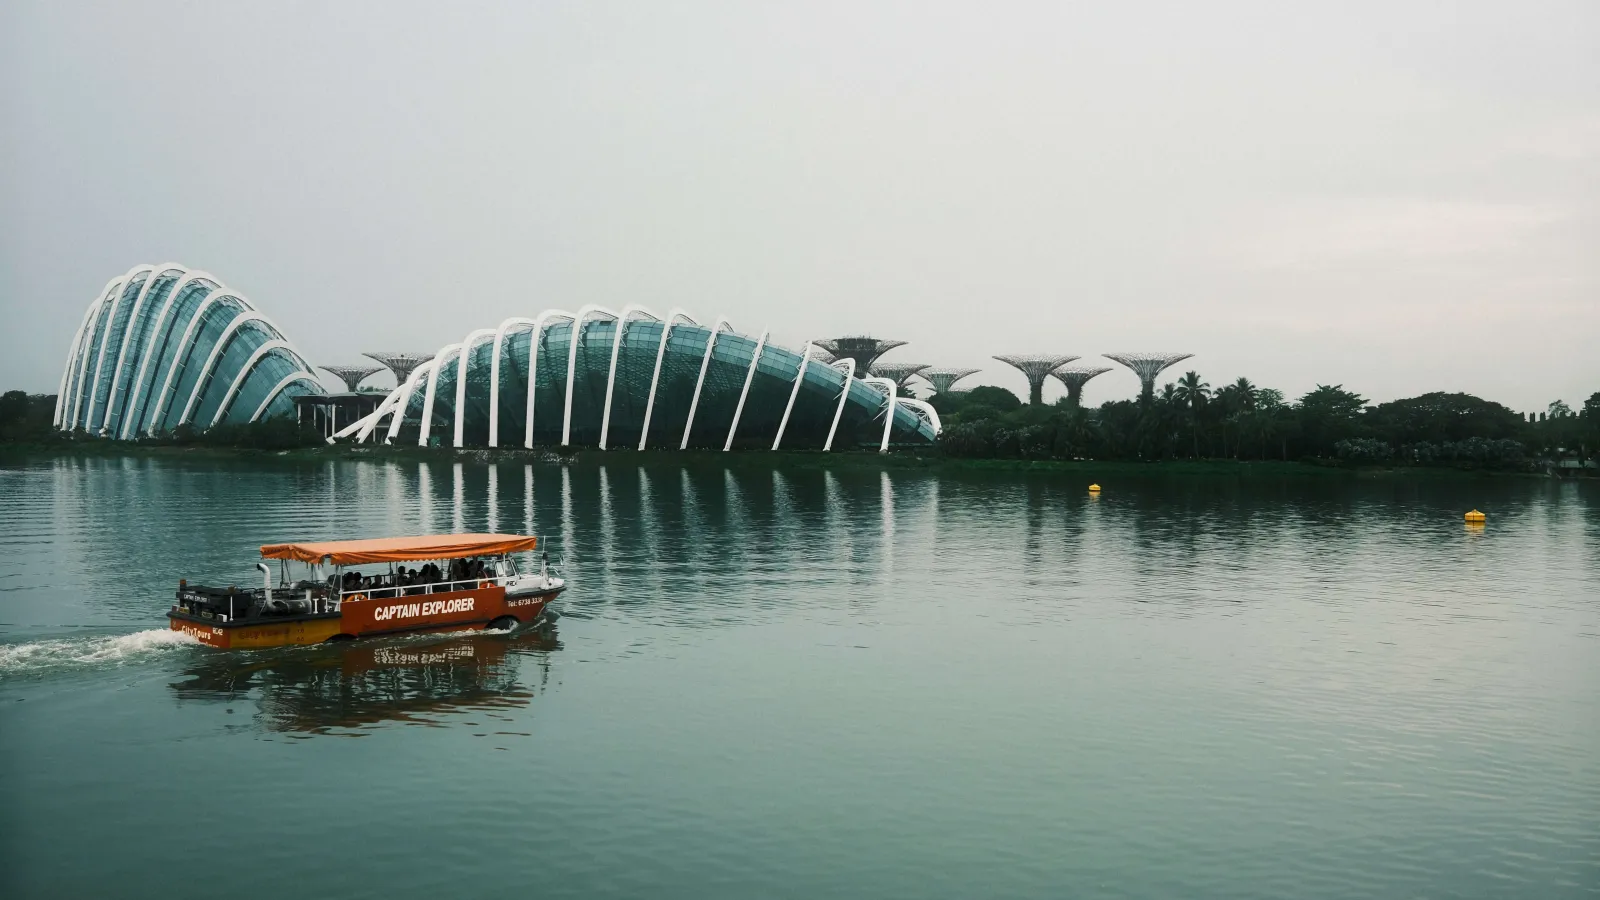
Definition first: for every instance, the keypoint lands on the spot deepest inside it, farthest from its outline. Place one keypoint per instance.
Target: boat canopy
(401, 549)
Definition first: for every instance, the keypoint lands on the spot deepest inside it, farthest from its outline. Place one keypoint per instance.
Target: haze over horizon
(1396, 198)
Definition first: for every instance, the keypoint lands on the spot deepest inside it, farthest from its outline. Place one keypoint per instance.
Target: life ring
(355, 598)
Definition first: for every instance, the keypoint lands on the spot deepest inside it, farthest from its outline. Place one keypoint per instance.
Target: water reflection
(344, 687)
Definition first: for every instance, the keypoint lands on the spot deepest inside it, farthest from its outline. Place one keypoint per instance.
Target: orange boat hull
(360, 616)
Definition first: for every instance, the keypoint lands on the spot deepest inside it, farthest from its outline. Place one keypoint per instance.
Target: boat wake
(66, 653)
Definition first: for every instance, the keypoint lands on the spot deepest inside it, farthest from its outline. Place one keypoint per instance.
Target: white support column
(216, 295)
(705, 362)
(655, 378)
(73, 354)
(848, 367)
(462, 362)
(249, 367)
(272, 395)
(494, 367)
(888, 387)
(628, 312)
(749, 376)
(127, 335)
(97, 335)
(572, 363)
(141, 386)
(398, 414)
(218, 349)
(105, 342)
(799, 376)
(439, 360)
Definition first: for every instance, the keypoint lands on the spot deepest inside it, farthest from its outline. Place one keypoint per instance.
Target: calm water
(816, 683)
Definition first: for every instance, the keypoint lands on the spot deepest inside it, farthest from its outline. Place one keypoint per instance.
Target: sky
(1395, 197)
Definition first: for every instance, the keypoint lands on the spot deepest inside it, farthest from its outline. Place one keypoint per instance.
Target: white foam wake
(34, 656)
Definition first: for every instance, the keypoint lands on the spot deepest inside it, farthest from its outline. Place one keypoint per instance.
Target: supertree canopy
(1147, 366)
(898, 372)
(401, 364)
(1036, 367)
(352, 376)
(1075, 377)
(861, 348)
(944, 379)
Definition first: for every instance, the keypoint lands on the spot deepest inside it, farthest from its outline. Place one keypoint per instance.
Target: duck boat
(361, 588)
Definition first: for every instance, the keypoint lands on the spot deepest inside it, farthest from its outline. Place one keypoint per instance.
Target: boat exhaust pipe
(266, 579)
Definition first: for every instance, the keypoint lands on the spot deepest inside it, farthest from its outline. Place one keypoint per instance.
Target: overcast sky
(1398, 197)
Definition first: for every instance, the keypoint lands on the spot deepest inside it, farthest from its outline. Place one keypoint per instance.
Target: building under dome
(634, 379)
(163, 346)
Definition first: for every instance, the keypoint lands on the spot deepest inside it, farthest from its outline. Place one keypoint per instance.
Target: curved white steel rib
(848, 367)
(96, 334)
(888, 387)
(287, 380)
(217, 350)
(461, 377)
(799, 376)
(494, 365)
(661, 350)
(156, 274)
(249, 366)
(141, 388)
(439, 360)
(749, 376)
(215, 295)
(924, 410)
(572, 362)
(705, 362)
(628, 312)
(105, 342)
(398, 413)
(73, 354)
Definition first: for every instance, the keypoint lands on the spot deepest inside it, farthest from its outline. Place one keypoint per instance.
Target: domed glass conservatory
(599, 378)
(164, 346)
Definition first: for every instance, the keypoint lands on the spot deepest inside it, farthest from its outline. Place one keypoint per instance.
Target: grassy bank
(760, 459)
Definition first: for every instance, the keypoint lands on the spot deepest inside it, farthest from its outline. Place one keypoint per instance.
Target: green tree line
(1188, 419)
(26, 419)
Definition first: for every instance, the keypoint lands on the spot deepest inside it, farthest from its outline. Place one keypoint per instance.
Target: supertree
(352, 376)
(1147, 366)
(944, 380)
(898, 372)
(401, 364)
(1036, 367)
(864, 350)
(1075, 377)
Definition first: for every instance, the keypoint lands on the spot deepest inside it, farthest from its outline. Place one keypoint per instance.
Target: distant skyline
(1398, 198)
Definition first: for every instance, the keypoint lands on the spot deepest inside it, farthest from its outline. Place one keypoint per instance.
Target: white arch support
(277, 389)
(924, 411)
(96, 333)
(799, 376)
(572, 362)
(367, 423)
(439, 360)
(533, 371)
(461, 379)
(494, 365)
(73, 354)
(705, 362)
(744, 392)
(398, 414)
(216, 295)
(887, 385)
(249, 366)
(628, 313)
(127, 334)
(141, 387)
(217, 350)
(105, 342)
(848, 367)
(661, 350)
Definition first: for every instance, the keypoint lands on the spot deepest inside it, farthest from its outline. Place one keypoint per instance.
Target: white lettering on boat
(426, 608)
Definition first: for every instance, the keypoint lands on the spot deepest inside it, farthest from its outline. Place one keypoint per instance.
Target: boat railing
(416, 590)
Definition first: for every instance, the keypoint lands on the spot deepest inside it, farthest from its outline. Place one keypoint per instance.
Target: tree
(1329, 414)
(1192, 394)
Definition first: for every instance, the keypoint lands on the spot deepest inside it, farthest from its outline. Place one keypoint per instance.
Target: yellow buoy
(1094, 488)
(1476, 516)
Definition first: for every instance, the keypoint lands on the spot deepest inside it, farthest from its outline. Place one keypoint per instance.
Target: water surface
(810, 682)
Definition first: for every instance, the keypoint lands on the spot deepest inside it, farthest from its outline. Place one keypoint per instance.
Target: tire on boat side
(504, 623)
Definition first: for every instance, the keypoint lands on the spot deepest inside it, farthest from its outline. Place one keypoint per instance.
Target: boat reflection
(332, 688)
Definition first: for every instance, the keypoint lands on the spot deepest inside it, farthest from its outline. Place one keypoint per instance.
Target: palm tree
(1193, 393)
